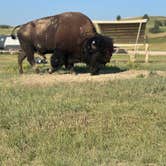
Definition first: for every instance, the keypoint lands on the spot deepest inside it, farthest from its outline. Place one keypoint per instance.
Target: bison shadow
(82, 69)
(104, 70)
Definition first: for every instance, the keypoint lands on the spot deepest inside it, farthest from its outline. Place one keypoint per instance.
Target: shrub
(146, 16)
(156, 28)
(5, 26)
(164, 23)
(118, 18)
(159, 23)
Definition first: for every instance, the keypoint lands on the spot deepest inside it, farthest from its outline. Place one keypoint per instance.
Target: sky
(16, 12)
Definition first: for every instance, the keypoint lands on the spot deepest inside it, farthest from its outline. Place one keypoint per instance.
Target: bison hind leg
(56, 62)
(21, 57)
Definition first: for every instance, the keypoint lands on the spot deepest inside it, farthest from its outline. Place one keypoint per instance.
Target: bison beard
(71, 37)
(96, 52)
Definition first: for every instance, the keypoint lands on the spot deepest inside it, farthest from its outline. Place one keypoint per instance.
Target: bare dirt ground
(48, 80)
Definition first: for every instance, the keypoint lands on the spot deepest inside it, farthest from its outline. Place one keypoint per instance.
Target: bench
(126, 34)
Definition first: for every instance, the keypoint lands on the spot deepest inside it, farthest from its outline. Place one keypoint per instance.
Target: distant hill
(161, 18)
(151, 21)
(157, 41)
(150, 24)
(154, 18)
(5, 26)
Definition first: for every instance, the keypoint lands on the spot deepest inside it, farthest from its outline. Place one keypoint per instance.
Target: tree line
(5, 26)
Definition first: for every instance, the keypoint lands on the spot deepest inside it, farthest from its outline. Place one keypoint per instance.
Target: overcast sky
(13, 12)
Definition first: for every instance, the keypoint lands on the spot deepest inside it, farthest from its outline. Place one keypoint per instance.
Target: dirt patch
(48, 80)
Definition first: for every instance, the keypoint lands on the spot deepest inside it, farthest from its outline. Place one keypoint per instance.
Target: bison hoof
(71, 71)
(50, 71)
(37, 70)
(95, 72)
(21, 72)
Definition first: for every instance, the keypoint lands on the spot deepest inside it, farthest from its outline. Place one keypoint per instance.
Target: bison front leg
(95, 71)
(69, 66)
(94, 68)
(56, 61)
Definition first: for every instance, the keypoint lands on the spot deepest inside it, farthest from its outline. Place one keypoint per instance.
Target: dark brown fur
(65, 31)
(67, 35)
(95, 51)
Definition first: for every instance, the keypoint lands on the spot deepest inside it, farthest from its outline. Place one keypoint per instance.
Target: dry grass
(154, 35)
(49, 80)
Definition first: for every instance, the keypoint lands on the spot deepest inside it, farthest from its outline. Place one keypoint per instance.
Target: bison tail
(13, 36)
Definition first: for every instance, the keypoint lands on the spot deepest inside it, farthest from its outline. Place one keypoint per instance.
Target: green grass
(5, 31)
(155, 62)
(121, 122)
(160, 46)
(84, 124)
(158, 40)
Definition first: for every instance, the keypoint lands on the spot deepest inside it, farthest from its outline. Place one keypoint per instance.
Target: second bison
(71, 37)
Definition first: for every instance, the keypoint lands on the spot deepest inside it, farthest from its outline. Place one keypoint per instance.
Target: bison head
(98, 51)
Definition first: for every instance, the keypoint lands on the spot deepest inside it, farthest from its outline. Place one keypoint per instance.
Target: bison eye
(93, 42)
(93, 45)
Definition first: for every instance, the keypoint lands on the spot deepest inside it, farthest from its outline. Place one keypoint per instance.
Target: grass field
(121, 122)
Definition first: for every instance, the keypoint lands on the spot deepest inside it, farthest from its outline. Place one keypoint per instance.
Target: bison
(70, 37)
